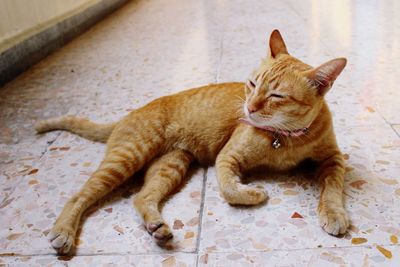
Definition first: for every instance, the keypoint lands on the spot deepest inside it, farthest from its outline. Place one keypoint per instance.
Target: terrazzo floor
(151, 48)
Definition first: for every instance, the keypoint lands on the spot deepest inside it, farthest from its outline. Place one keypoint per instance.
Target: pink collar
(294, 133)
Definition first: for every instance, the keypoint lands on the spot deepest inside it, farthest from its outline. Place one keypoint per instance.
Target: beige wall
(20, 19)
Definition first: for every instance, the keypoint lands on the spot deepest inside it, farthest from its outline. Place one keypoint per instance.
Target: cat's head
(286, 93)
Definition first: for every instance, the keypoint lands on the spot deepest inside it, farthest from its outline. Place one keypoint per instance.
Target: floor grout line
(392, 126)
(95, 254)
(385, 120)
(297, 13)
(369, 246)
(306, 248)
(201, 211)
(35, 162)
(49, 143)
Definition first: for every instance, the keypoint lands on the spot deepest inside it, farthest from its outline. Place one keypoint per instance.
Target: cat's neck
(279, 132)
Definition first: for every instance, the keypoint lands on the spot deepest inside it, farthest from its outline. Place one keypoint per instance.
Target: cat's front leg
(229, 164)
(332, 215)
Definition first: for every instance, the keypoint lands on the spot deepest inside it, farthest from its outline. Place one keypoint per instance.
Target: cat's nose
(251, 108)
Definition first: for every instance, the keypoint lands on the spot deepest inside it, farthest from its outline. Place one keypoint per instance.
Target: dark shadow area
(303, 175)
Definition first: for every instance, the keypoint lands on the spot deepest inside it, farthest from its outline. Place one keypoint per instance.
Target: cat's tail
(80, 126)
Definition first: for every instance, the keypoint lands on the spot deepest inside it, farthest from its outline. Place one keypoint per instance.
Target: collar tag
(276, 144)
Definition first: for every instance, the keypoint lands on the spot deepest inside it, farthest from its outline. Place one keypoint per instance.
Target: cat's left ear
(324, 76)
(276, 44)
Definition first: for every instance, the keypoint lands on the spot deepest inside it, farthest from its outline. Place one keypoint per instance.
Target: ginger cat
(285, 121)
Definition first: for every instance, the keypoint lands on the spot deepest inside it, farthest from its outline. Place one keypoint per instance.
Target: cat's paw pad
(61, 240)
(160, 231)
(245, 195)
(334, 221)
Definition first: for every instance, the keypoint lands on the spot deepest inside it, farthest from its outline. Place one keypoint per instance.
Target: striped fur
(80, 126)
(201, 124)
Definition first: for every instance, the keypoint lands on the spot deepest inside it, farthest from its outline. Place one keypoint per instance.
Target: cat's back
(222, 101)
(212, 94)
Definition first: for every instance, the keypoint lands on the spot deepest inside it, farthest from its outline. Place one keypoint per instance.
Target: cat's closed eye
(276, 96)
(251, 83)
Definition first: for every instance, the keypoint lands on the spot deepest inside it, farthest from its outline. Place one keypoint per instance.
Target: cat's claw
(152, 227)
(334, 221)
(61, 241)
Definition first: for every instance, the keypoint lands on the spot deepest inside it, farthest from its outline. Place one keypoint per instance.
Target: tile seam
(201, 211)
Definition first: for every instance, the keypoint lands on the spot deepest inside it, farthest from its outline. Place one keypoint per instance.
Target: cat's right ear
(276, 44)
(323, 76)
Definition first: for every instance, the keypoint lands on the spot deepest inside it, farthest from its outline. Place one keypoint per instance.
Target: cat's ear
(276, 44)
(324, 76)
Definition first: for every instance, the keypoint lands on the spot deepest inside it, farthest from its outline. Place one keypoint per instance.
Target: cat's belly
(283, 164)
(204, 147)
(204, 152)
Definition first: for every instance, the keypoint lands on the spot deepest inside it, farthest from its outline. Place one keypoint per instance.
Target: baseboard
(20, 57)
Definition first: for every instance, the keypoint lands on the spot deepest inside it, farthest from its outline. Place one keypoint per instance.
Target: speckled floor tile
(160, 260)
(372, 200)
(343, 27)
(359, 256)
(39, 198)
(242, 32)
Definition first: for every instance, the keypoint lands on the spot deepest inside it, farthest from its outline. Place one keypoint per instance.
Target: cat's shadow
(303, 175)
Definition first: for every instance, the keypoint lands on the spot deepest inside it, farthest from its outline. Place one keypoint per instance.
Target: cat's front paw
(242, 194)
(160, 232)
(334, 220)
(61, 239)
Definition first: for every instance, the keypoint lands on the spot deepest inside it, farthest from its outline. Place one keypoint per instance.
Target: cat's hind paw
(334, 221)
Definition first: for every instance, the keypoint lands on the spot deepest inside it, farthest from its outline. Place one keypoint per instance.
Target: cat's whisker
(241, 98)
(238, 111)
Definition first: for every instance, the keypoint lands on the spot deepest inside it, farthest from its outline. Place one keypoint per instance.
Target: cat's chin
(256, 122)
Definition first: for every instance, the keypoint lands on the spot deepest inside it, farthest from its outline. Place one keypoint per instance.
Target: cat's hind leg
(163, 176)
(129, 149)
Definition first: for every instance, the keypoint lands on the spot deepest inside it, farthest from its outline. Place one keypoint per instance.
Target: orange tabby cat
(285, 121)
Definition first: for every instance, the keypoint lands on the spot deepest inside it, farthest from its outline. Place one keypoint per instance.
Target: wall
(20, 19)
(32, 29)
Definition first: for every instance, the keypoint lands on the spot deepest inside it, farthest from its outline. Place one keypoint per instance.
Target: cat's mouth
(256, 121)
